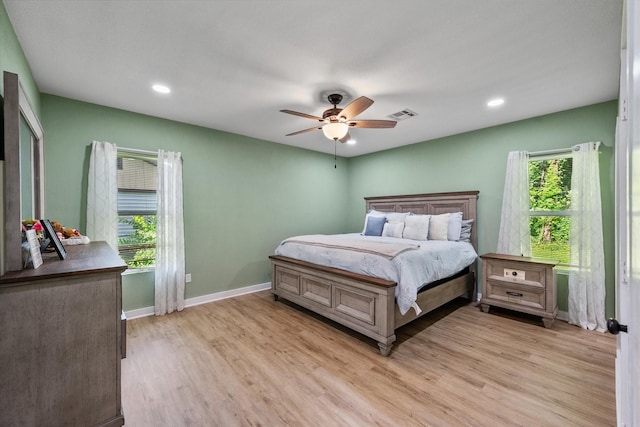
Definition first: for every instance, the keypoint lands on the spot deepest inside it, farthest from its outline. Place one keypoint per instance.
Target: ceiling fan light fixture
(337, 121)
(335, 130)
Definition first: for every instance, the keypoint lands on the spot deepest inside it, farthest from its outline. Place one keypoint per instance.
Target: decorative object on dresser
(55, 241)
(520, 283)
(367, 304)
(62, 340)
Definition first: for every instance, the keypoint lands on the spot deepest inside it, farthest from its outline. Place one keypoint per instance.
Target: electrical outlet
(187, 278)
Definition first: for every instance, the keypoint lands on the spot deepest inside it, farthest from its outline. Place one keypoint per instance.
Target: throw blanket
(388, 250)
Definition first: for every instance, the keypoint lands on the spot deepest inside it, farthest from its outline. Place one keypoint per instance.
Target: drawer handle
(514, 294)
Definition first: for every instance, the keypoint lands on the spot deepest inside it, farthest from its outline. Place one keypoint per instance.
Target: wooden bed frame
(367, 304)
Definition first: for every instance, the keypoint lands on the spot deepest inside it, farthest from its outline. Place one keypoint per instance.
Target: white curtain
(514, 236)
(102, 194)
(586, 280)
(170, 260)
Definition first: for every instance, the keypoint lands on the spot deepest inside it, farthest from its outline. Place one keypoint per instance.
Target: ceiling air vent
(404, 114)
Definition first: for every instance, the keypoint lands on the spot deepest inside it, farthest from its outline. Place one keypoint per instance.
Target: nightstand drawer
(529, 296)
(530, 274)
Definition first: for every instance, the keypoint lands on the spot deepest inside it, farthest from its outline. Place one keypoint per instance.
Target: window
(549, 203)
(137, 204)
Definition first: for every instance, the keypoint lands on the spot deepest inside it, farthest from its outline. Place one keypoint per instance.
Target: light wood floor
(250, 361)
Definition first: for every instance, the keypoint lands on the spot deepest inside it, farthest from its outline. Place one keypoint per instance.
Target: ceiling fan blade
(306, 116)
(356, 107)
(304, 131)
(345, 138)
(373, 123)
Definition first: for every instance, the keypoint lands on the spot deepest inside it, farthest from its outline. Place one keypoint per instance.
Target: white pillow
(397, 216)
(416, 227)
(391, 216)
(393, 229)
(439, 227)
(455, 225)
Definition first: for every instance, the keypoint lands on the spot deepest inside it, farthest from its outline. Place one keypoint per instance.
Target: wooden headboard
(432, 204)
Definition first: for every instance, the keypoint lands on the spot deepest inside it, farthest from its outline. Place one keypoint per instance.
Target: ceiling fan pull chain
(335, 151)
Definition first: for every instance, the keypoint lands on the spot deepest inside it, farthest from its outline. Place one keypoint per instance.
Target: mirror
(26, 173)
(24, 167)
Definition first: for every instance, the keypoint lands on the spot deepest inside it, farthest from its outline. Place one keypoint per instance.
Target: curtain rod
(137, 151)
(558, 150)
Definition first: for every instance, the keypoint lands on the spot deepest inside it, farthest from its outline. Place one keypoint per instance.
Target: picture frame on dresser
(55, 241)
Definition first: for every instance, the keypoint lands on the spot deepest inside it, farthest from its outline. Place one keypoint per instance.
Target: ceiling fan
(337, 121)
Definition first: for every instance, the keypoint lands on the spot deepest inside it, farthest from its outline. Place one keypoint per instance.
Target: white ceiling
(232, 65)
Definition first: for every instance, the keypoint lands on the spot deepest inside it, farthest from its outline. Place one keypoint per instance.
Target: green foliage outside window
(549, 191)
(138, 249)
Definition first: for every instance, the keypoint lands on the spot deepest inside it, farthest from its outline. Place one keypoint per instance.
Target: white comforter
(412, 269)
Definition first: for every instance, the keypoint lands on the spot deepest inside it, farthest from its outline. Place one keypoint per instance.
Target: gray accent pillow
(465, 230)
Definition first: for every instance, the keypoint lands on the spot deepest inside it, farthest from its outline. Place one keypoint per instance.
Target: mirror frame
(16, 104)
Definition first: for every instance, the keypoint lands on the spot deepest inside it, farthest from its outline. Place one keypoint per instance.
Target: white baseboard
(203, 299)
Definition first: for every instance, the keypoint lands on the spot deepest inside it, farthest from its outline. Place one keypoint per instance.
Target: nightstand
(520, 283)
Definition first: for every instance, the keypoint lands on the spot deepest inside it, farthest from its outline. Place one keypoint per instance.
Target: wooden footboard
(364, 304)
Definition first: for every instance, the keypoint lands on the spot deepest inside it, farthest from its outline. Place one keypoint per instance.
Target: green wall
(477, 161)
(12, 59)
(242, 196)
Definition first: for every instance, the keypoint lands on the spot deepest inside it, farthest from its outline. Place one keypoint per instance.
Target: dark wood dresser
(61, 340)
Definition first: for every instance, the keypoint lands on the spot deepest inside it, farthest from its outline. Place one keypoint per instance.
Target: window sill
(132, 270)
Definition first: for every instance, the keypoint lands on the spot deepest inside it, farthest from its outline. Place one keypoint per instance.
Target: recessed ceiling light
(351, 141)
(496, 102)
(161, 88)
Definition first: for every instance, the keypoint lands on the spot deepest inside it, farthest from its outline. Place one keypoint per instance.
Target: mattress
(425, 262)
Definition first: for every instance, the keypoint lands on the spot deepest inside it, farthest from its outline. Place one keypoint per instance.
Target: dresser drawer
(513, 293)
